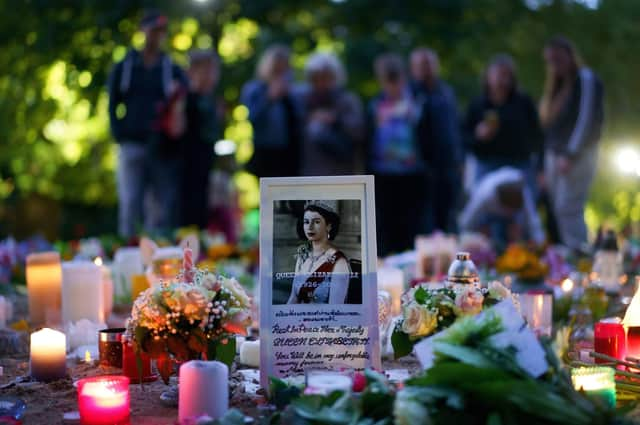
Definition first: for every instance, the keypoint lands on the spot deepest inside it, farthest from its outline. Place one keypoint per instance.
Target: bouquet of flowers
(427, 311)
(523, 262)
(188, 320)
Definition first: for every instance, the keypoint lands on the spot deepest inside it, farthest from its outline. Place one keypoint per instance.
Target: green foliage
(56, 58)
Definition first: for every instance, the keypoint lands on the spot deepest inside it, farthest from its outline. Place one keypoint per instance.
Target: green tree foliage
(55, 58)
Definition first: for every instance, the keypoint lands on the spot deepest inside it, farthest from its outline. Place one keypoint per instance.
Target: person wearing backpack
(395, 157)
(146, 92)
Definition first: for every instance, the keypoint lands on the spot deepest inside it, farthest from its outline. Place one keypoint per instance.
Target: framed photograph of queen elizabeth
(318, 292)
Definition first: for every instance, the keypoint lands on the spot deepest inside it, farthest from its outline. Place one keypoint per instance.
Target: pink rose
(469, 302)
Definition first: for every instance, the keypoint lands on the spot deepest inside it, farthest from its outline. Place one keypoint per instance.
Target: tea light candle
(391, 279)
(48, 357)
(537, 311)
(104, 400)
(203, 390)
(82, 296)
(250, 353)
(597, 382)
(325, 382)
(44, 277)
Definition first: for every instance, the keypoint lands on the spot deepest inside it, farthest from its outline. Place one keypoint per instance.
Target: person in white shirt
(502, 198)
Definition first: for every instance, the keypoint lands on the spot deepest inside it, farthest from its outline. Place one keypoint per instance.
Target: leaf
(225, 353)
(197, 341)
(165, 367)
(402, 345)
(281, 394)
(421, 295)
(178, 347)
(463, 354)
(232, 417)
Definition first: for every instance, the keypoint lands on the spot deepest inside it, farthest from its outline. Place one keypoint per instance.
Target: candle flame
(87, 356)
(98, 261)
(567, 285)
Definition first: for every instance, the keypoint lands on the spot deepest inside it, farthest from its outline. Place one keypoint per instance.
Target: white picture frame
(300, 333)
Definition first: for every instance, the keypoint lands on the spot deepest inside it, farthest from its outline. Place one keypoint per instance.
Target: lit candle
(203, 390)
(48, 355)
(597, 382)
(44, 277)
(82, 295)
(391, 280)
(537, 311)
(130, 364)
(250, 353)
(631, 322)
(325, 382)
(107, 288)
(126, 263)
(567, 286)
(104, 400)
(609, 338)
(187, 264)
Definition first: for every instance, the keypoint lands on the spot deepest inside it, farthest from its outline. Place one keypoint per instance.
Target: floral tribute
(426, 311)
(525, 263)
(194, 318)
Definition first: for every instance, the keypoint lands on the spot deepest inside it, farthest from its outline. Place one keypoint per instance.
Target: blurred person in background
(204, 125)
(144, 92)
(275, 115)
(440, 137)
(502, 127)
(572, 115)
(395, 156)
(333, 129)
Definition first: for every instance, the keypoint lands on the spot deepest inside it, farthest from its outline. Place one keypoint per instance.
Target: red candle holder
(610, 339)
(633, 342)
(130, 365)
(104, 400)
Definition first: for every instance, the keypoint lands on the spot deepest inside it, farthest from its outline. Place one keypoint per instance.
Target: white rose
(418, 321)
(498, 291)
(409, 411)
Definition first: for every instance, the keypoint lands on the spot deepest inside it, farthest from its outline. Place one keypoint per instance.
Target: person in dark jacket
(333, 124)
(572, 114)
(501, 126)
(395, 157)
(143, 89)
(440, 135)
(275, 114)
(203, 129)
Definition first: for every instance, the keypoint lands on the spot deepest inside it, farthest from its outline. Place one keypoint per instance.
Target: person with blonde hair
(275, 115)
(333, 127)
(571, 112)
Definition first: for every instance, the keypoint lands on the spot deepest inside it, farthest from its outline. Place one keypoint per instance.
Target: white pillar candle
(82, 296)
(6, 311)
(126, 263)
(391, 279)
(250, 353)
(48, 355)
(239, 341)
(326, 381)
(203, 390)
(44, 277)
(107, 288)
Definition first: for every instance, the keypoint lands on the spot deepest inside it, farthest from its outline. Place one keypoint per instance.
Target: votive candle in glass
(48, 356)
(130, 364)
(104, 400)
(610, 339)
(537, 310)
(110, 347)
(597, 382)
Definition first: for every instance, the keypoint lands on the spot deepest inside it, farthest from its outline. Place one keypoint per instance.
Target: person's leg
(165, 183)
(571, 198)
(131, 182)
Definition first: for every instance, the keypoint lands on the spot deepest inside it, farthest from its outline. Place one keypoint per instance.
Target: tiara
(331, 206)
